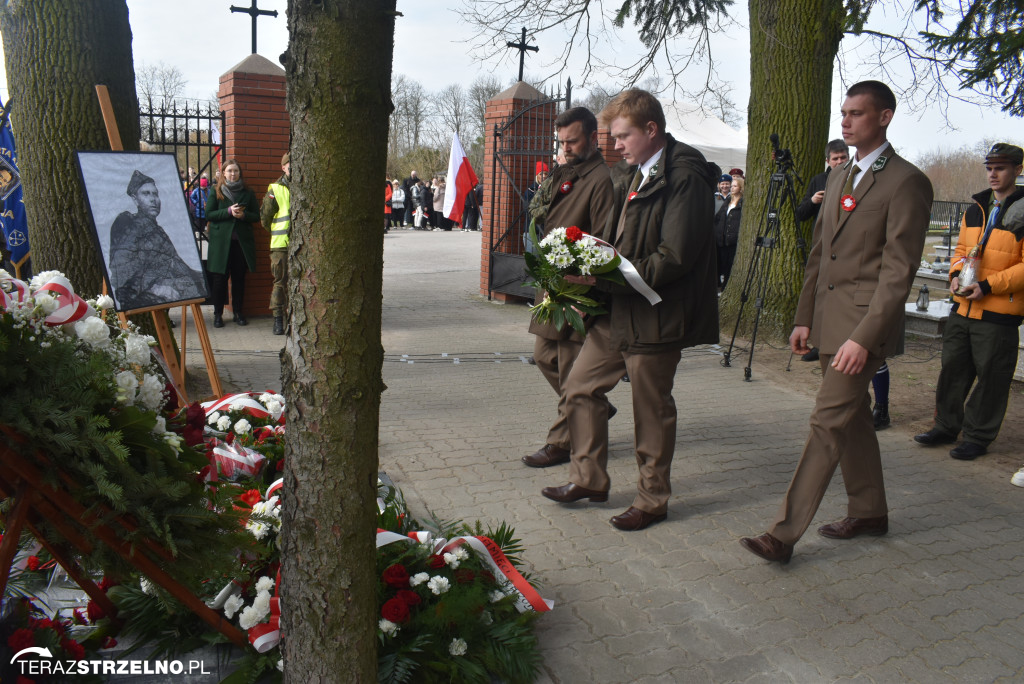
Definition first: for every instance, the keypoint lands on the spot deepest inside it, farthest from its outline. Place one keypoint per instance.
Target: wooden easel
(35, 502)
(163, 332)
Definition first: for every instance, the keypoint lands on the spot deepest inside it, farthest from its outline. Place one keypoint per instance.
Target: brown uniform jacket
(669, 237)
(862, 262)
(581, 196)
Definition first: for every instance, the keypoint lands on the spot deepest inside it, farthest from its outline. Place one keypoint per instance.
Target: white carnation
(46, 303)
(458, 647)
(418, 579)
(438, 585)
(275, 408)
(104, 302)
(232, 605)
(161, 425)
(136, 349)
(151, 393)
(127, 383)
(213, 418)
(93, 331)
(223, 423)
(262, 604)
(249, 618)
(242, 426)
(388, 627)
(264, 584)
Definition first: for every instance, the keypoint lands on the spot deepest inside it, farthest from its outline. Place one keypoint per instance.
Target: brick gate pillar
(527, 141)
(252, 97)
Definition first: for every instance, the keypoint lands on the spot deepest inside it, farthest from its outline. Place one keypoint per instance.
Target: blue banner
(15, 226)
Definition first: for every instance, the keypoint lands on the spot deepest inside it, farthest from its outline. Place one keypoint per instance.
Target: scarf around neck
(231, 188)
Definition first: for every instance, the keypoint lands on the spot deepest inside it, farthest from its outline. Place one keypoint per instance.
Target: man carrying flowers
(661, 222)
(580, 197)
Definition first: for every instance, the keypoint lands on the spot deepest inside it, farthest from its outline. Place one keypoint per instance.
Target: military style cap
(137, 181)
(1005, 152)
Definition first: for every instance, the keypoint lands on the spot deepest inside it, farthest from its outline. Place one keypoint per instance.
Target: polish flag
(460, 181)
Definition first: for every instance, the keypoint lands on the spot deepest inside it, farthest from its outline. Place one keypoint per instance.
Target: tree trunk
(339, 74)
(793, 46)
(57, 52)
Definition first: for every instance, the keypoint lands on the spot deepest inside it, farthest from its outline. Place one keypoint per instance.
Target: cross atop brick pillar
(252, 97)
(526, 139)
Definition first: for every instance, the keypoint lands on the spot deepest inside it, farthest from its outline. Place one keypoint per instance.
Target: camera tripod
(780, 193)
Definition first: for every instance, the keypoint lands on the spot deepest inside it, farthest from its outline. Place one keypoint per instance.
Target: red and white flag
(460, 181)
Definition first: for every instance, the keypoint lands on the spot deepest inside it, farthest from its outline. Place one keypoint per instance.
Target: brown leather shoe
(548, 455)
(768, 547)
(848, 528)
(634, 519)
(573, 492)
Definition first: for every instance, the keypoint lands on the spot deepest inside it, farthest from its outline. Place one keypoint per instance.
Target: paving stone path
(940, 599)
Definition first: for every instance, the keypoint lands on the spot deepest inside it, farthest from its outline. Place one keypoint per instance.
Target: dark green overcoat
(220, 227)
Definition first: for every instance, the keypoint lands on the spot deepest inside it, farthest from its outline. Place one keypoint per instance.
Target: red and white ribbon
(70, 307)
(234, 458)
(631, 275)
(527, 597)
(244, 401)
(12, 291)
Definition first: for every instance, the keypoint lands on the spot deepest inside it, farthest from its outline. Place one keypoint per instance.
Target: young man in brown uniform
(662, 223)
(581, 196)
(867, 247)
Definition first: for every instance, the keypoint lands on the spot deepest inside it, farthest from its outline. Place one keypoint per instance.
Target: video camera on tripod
(780, 189)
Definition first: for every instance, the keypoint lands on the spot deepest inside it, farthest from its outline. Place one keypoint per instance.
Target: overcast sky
(203, 39)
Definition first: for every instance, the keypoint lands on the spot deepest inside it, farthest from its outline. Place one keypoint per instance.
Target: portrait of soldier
(145, 267)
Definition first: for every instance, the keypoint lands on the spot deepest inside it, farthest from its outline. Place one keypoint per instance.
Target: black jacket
(727, 224)
(808, 209)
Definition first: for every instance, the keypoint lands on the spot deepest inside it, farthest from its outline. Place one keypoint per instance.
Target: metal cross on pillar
(522, 47)
(255, 12)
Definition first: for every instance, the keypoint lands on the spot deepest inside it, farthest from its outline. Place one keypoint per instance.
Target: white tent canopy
(720, 143)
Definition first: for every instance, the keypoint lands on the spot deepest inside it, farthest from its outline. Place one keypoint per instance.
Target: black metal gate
(522, 140)
(195, 135)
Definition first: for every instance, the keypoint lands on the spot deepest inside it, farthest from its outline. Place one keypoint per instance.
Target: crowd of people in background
(415, 204)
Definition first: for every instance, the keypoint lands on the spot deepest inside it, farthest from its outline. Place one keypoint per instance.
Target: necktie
(638, 178)
(848, 188)
(993, 220)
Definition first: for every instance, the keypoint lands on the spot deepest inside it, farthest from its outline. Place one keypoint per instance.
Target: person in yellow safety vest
(275, 217)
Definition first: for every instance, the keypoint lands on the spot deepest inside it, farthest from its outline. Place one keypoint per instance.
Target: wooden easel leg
(77, 574)
(166, 341)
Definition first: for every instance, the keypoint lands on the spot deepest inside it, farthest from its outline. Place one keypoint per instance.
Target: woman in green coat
(231, 210)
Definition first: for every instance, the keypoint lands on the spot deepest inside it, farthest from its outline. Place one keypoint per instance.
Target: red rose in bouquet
(395, 610)
(410, 597)
(396, 576)
(21, 639)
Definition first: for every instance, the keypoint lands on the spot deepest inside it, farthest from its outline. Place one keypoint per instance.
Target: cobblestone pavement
(940, 599)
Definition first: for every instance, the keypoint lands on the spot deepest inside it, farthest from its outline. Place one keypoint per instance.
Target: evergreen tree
(338, 66)
(986, 49)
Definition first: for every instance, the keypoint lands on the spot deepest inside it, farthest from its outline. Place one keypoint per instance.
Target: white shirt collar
(867, 160)
(646, 167)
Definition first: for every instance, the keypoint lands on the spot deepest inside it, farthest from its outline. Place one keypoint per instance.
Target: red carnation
(106, 583)
(93, 610)
(464, 576)
(21, 638)
(193, 435)
(395, 610)
(195, 416)
(435, 562)
(109, 642)
(251, 497)
(573, 233)
(409, 597)
(396, 576)
(33, 563)
(74, 649)
(79, 617)
(280, 465)
(230, 437)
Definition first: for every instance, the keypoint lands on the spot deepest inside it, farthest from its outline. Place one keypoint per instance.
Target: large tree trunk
(339, 75)
(57, 52)
(793, 46)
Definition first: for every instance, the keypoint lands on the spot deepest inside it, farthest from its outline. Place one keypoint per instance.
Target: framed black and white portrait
(142, 228)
